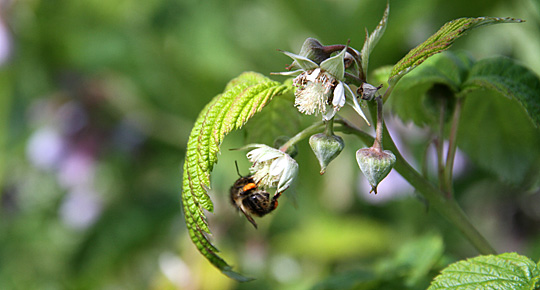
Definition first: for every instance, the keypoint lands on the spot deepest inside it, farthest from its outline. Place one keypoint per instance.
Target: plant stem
(379, 130)
(315, 128)
(387, 93)
(329, 129)
(452, 146)
(440, 149)
(448, 208)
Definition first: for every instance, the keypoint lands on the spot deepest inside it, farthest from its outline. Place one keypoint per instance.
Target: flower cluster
(321, 87)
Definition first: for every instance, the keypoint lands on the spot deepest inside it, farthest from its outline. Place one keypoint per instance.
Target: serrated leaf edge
(441, 41)
(244, 97)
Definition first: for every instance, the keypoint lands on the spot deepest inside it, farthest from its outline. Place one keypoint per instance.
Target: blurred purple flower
(80, 208)
(77, 169)
(45, 148)
(5, 43)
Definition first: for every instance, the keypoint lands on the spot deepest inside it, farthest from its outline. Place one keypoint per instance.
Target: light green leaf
(508, 271)
(441, 41)
(373, 39)
(244, 96)
(509, 79)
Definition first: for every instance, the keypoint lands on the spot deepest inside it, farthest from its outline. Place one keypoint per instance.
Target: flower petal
(339, 95)
(288, 175)
(313, 75)
(278, 166)
(330, 113)
(287, 73)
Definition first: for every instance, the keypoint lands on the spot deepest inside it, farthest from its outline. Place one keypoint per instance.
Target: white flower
(321, 88)
(272, 167)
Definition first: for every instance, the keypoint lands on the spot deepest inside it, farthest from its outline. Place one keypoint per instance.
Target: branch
(448, 208)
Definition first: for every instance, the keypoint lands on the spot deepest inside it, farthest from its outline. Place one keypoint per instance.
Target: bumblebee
(247, 197)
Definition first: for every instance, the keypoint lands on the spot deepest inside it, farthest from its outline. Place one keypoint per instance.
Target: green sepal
(336, 65)
(301, 61)
(373, 39)
(314, 50)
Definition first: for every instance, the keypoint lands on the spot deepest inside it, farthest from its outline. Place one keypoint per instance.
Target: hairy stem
(379, 130)
(315, 128)
(448, 208)
(452, 146)
(329, 129)
(440, 148)
(387, 93)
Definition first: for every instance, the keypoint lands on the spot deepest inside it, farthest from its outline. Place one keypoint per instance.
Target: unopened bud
(367, 91)
(375, 165)
(326, 148)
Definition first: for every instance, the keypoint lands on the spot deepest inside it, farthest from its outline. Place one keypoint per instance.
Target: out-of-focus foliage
(97, 99)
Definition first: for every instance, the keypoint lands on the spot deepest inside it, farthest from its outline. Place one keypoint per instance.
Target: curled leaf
(244, 96)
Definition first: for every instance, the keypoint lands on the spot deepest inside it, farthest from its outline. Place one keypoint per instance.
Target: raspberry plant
(327, 78)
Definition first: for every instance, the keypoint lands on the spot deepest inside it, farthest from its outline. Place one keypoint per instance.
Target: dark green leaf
(496, 134)
(243, 97)
(508, 271)
(509, 79)
(448, 69)
(441, 41)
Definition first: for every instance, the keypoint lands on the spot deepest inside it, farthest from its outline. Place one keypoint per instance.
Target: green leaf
(244, 97)
(373, 39)
(510, 79)
(492, 127)
(508, 271)
(441, 41)
(409, 103)
(497, 135)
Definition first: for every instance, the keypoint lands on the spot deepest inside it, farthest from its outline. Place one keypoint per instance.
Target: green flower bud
(326, 148)
(375, 165)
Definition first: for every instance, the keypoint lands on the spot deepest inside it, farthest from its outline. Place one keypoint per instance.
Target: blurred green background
(97, 99)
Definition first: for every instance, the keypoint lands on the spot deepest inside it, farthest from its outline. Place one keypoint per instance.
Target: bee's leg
(249, 217)
(275, 200)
